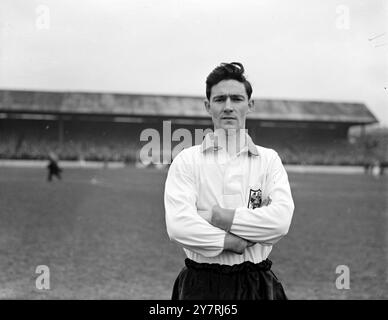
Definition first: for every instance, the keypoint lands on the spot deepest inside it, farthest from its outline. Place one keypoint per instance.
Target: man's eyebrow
(229, 95)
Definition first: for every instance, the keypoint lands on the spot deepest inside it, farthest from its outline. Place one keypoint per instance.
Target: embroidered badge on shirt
(254, 199)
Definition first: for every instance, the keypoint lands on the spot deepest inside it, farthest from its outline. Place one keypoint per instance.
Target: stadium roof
(40, 102)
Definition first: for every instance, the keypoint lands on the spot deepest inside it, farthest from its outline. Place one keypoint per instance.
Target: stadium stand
(107, 127)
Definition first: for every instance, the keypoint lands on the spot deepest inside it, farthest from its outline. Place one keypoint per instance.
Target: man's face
(229, 105)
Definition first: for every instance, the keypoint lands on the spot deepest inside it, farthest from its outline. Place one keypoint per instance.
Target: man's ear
(207, 106)
(251, 105)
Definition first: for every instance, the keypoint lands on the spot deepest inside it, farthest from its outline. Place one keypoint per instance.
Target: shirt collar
(210, 143)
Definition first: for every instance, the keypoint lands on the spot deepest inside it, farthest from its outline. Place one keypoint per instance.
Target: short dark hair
(227, 71)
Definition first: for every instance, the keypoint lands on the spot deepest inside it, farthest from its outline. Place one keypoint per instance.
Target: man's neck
(232, 140)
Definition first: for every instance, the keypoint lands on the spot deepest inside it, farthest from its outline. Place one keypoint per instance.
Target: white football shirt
(205, 175)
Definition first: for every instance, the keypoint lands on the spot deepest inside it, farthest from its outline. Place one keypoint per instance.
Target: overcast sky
(302, 49)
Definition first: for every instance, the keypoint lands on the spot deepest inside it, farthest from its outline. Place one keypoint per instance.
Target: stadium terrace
(108, 126)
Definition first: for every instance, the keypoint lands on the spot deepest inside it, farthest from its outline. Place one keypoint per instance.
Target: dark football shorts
(245, 281)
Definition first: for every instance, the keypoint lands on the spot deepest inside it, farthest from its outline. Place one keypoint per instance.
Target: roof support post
(60, 131)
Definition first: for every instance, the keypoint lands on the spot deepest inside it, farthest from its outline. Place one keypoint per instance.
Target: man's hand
(236, 244)
(266, 202)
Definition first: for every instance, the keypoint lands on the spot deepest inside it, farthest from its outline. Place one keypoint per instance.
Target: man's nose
(228, 105)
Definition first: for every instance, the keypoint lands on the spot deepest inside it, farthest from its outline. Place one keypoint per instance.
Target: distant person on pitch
(227, 202)
(53, 167)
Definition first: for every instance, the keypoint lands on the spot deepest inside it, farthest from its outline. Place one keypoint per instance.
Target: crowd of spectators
(38, 149)
(330, 153)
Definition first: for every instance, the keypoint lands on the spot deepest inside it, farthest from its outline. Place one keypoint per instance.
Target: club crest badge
(255, 199)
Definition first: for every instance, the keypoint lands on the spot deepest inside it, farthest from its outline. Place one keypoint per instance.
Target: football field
(102, 234)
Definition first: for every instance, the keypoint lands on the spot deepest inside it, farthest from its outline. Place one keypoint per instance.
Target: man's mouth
(228, 118)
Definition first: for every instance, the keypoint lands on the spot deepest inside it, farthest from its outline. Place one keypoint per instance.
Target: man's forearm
(222, 218)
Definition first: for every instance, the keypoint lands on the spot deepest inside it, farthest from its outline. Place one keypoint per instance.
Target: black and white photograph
(195, 150)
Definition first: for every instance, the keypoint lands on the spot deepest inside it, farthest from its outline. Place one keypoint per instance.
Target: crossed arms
(210, 232)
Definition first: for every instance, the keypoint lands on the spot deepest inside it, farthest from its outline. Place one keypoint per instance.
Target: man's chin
(230, 128)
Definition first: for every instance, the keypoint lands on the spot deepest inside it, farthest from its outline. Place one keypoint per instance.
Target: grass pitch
(102, 234)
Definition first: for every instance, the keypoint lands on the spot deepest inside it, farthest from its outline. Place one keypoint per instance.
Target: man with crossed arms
(227, 201)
